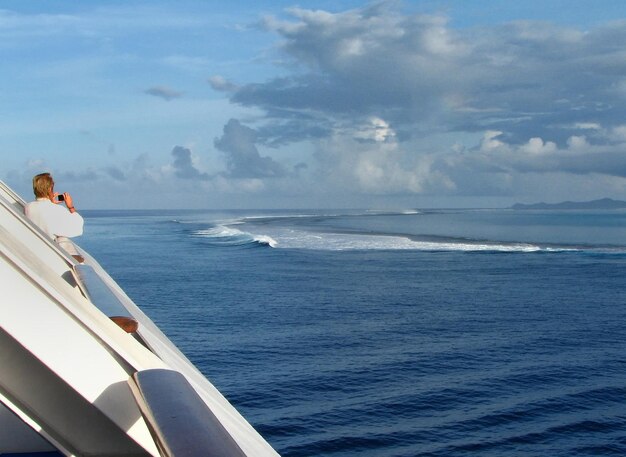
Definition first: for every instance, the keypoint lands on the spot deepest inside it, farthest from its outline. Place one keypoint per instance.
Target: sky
(318, 104)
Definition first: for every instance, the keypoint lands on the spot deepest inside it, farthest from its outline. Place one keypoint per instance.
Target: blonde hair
(42, 185)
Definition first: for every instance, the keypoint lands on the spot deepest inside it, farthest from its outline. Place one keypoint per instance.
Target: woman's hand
(68, 200)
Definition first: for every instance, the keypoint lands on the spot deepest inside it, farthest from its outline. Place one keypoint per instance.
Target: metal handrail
(180, 422)
(102, 297)
(12, 193)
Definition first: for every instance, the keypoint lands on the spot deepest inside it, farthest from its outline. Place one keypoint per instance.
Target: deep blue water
(440, 333)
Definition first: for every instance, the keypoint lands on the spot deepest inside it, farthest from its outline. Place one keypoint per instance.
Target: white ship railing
(54, 336)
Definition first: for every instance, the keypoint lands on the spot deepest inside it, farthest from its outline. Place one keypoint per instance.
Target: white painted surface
(44, 310)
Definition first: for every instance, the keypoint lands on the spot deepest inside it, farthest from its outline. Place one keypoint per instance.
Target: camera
(60, 197)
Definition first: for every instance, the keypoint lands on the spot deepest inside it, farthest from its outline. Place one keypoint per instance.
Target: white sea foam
(230, 235)
(296, 239)
(219, 231)
(403, 212)
(282, 216)
(289, 238)
(263, 239)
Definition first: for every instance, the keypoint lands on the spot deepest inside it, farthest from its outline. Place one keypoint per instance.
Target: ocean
(410, 333)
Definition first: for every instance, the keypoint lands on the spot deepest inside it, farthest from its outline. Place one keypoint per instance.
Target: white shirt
(55, 220)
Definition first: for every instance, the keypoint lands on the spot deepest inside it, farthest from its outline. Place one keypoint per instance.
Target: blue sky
(206, 104)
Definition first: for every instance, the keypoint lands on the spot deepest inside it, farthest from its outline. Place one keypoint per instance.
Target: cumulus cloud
(183, 165)
(220, 84)
(163, 92)
(618, 133)
(538, 156)
(242, 156)
(392, 103)
(347, 165)
(375, 129)
(421, 75)
(115, 173)
(384, 95)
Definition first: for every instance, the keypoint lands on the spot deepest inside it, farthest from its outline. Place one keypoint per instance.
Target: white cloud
(243, 160)
(538, 146)
(490, 140)
(587, 126)
(578, 143)
(220, 83)
(163, 92)
(375, 129)
(370, 83)
(419, 74)
(347, 165)
(392, 103)
(35, 164)
(93, 23)
(618, 133)
(184, 166)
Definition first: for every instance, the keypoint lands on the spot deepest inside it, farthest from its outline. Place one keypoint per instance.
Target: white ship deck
(73, 382)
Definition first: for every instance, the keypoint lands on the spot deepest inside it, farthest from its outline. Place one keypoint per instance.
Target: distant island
(603, 203)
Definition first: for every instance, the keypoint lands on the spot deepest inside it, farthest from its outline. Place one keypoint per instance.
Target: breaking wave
(221, 235)
(324, 232)
(295, 239)
(229, 236)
